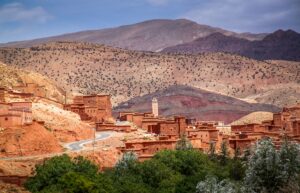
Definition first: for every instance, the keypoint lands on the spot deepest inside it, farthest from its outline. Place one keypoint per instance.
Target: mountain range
(152, 35)
(280, 45)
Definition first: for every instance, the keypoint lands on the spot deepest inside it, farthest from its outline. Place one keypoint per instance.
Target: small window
(6, 119)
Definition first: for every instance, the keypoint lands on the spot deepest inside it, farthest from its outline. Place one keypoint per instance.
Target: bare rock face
(194, 103)
(152, 35)
(280, 45)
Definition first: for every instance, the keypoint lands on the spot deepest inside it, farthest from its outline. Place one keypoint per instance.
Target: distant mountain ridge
(152, 35)
(194, 103)
(280, 45)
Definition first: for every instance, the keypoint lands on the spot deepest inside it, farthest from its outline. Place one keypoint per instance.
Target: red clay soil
(28, 140)
(11, 188)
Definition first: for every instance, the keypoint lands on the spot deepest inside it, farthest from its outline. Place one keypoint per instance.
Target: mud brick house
(207, 133)
(241, 142)
(33, 88)
(157, 125)
(15, 114)
(14, 95)
(96, 108)
(247, 128)
(285, 123)
(145, 149)
(135, 118)
(100, 126)
(175, 127)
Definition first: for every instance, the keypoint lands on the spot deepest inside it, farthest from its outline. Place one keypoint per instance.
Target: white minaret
(155, 107)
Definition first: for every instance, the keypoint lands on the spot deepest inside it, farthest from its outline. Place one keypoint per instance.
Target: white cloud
(250, 15)
(17, 12)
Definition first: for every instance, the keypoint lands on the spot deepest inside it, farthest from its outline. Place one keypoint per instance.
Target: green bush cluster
(175, 171)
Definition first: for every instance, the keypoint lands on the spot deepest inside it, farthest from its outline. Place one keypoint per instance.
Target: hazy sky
(28, 19)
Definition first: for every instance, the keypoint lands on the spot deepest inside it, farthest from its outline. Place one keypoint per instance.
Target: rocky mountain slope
(280, 45)
(194, 103)
(90, 68)
(152, 35)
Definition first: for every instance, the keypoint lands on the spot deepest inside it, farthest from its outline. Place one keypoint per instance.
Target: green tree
(212, 150)
(289, 154)
(63, 174)
(290, 157)
(128, 161)
(211, 185)
(264, 173)
(49, 173)
(237, 153)
(224, 153)
(183, 143)
(159, 177)
(193, 166)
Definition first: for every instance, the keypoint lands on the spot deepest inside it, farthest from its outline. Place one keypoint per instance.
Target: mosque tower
(155, 107)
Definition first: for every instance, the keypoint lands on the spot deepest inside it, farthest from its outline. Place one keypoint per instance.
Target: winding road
(79, 145)
(72, 147)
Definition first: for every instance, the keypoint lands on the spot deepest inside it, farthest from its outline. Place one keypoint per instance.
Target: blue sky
(29, 19)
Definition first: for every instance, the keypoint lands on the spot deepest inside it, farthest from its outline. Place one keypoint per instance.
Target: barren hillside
(280, 45)
(152, 35)
(255, 117)
(194, 103)
(90, 68)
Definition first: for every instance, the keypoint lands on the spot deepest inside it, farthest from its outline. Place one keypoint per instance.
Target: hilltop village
(96, 110)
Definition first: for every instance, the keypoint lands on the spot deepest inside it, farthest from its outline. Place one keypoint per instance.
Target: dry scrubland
(255, 117)
(90, 68)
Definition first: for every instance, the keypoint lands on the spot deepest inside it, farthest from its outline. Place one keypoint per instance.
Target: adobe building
(118, 127)
(202, 134)
(15, 114)
(96, 108)
(285, 123)
(147, 148)
(175, 127)
(36, 90)
(14, 95)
